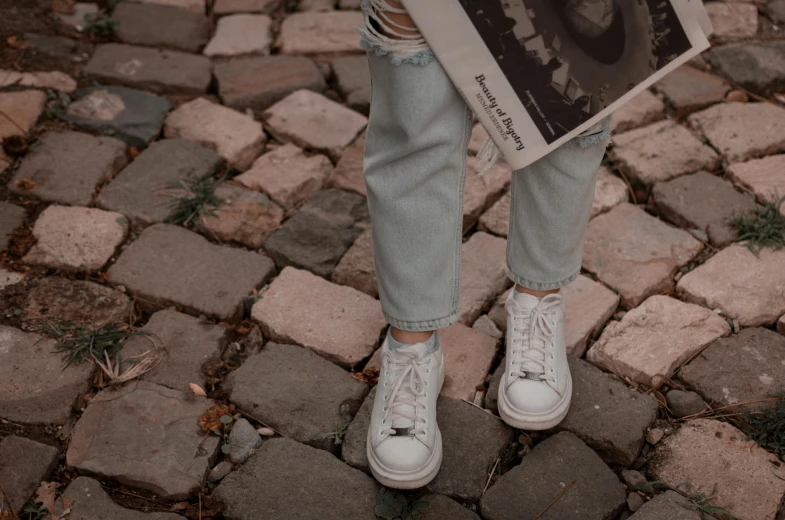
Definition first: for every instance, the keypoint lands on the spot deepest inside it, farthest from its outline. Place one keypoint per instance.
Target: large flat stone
(128, 114)
(743, 286)
(757, 65)
(75, 238)
(11, 217)
(258, 82)
(667, 506)
(222, 7)
(27, 396)
(609, 192)
(46, 79)
(689, 89)
(749, 366)
(497, 219)
(483, 260)
(340, 323)
(169, 264)
(321, 33)
(742, 131)
(644, 109)
(635, 253)
(88, 501)
(296, 392)
(733, 20)
(146, 189)
(527, 489)
(480, 192)
(20, 111)
(654, 339)
(356, 268)
(239, 34)
(66, 167)
(764, 177)
(660, 152)
(703, 201)
(468, 354)
(313, 121)
(23, 465)
(700, 453)
(146, 436)
(188, 345)
(352, 77)
(160, 71)
(287, 175)
(348, 173)
(235, 136)
(589, 306)
(316, 483)
(55, 46)
(161, 26)
(195, 6)
(606, 415)
(439, 507)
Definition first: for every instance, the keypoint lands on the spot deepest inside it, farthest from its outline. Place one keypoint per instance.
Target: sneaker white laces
(532, 340)
(402, 409)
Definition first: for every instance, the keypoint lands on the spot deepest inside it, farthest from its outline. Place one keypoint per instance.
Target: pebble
(654, 436)
(243, 440)
(219, 471)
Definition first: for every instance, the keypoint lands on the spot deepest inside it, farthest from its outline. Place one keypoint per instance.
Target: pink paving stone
(196, 6)
(660, 152)
(653, 340)
(689, 89)
(763, 177)
(589, 306)
(20, 111)
(348, 174)
(482, 274)
(240, 34)
(356, 268)
(479, 135)
(55, 80)
(702, 452)
(743, 286)
(287, 175)
(311, 120)
(482, 191)
(497, 219)
(609, 192)
(235, 136)
(635, 253)
(222, 7)
(742, 131)
(733, 21)
(321, 33)
(338, 322)
(468, 354)
(76, 238)
(643, 109)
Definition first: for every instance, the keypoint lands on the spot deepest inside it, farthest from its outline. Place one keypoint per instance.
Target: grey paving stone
(67, 166)
(243, 440)
(56, 46)
(63, 302)
(160, 71)
(755, 65)
(222, 7)
(161, 26)
(316, 483)
(145, 190)
(88, 501)
(23, 465)
(188, 344)
(11, 217)
(78, 19)
(295, 391)
(747, 366)
(352, 77)
(703, 201)
(473, 440)
(320, 233)
(171, 264)
(689, 89)
(128, 114)
(356, 268)
(777, 9)
(607, 415)
(683, 403)
(146, 436)
(527, 489)
(27, 396)
(439, 507)
(259, 82)
(355, 440)
(220, 471)
(667, 506)
(240, 34)
(492, 395)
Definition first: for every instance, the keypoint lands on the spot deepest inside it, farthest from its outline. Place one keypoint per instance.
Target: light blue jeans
(415, 170)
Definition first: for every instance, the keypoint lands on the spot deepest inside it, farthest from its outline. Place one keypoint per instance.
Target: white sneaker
(404, 442)
(536, 387)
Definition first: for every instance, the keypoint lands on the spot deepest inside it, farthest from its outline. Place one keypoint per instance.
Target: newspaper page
(539, 72)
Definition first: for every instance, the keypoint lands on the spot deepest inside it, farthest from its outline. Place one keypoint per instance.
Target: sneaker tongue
(528, 302)
(419, 350)
(525, 301)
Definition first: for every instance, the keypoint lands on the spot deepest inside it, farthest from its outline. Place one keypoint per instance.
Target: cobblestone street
(189, 316)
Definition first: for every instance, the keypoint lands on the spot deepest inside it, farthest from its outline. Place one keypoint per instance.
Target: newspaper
(539, 72)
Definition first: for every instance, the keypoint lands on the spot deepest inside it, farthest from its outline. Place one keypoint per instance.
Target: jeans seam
(459, 229)
(541, 286)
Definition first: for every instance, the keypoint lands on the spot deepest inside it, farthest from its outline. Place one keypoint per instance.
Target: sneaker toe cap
(402, 453)
(531, 396)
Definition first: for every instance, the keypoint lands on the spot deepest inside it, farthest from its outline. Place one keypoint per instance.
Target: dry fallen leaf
(25, 184)
(198, 390)
(211, 418)
(16, 43)
(46, 495)
(68, 503)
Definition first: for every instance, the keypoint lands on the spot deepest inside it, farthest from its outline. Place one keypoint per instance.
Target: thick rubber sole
(413, 479)
(541, 421)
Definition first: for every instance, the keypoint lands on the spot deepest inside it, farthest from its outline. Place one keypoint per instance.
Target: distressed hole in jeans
(384, 35)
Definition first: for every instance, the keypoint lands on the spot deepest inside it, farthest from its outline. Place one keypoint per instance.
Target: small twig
(478, 407)
(493, 470)
(734, 405)
(561, 494)
(8, 499)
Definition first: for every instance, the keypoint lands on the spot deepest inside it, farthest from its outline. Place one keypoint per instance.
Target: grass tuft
(767, 428)
(764, 228)
(101, 25)
(699, 502)
(78, 343)
(197, 198)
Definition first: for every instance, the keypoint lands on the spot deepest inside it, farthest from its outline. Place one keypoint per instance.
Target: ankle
(538, 294)
(409, 337)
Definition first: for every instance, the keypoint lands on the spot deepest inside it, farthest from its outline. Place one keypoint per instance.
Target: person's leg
(549, 210)
(415, 166)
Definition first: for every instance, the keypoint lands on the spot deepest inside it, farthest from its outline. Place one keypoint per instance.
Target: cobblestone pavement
(264, 310)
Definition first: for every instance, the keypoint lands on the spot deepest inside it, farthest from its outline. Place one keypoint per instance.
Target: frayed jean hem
(540, 286)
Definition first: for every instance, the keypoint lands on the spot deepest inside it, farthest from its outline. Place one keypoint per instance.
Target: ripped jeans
(415, 170)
